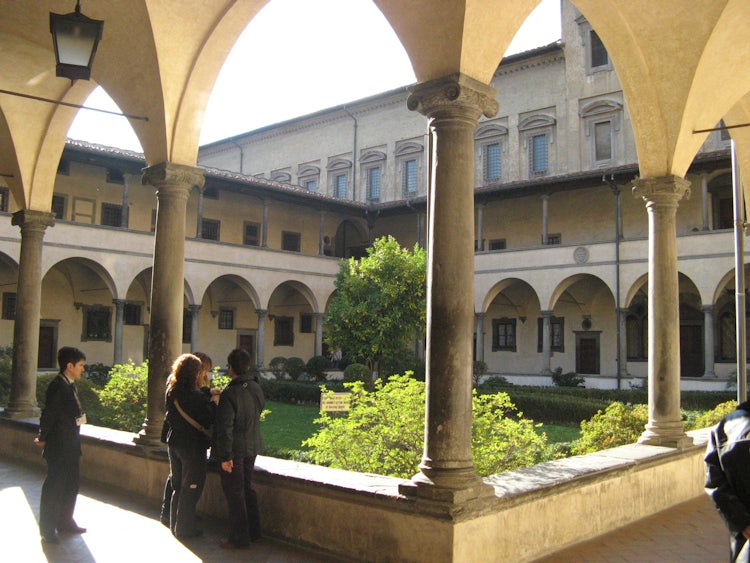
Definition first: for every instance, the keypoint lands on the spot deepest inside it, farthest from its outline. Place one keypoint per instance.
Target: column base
(148, 437)
(21, 412)
(670, 437)
(447, 487)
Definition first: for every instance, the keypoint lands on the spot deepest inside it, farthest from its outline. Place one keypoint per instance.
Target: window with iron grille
(340, 186)
(556, 326)
(373, 183)
(539, 158)
(504, 335)
(97, 323)
(115, 176)
(290, 241)
(492, 162)
(599, 55)
(58, 206)
(131, 314)
(111, 215)
(603, 141)
(226, 319)
(251, 236)
(210, 229)
(9, 305)
(410, 176)
(305, 322)
(283, 334)
(310, 185)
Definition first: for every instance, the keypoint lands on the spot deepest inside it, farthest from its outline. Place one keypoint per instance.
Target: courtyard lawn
(287, 426)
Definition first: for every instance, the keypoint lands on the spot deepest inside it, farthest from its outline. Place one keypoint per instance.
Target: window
(556, 326)
(497, 244)
(340, 183)
(599, 55)
(553, 239)
(211, 192)
(310, 185)
(309, 176)
(9, 305)
(63, 167)
(410, 177)
(226, 319)
(408, 166)
(492, 162)
(504, 335)
(305, 322)
(187, 326)
(538, 157)
(115, 176)
(603, 141)
(97, 322)
(111, 215)
(210, 229)
(58, 206)
(131, 314)
(283, 334)
(290, 241)
(251, 236)
(373, 184)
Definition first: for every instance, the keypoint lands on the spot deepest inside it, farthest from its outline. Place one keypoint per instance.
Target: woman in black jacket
(190, 413)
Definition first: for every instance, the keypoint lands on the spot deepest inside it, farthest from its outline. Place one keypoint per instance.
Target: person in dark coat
(204, 383)
(190, 413)
(728, 477)
(237, 441)
(59, 435)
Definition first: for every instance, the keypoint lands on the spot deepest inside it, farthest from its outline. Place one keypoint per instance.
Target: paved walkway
(123, 529)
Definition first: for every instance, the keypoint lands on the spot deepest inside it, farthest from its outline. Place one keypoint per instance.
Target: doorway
(587, 353)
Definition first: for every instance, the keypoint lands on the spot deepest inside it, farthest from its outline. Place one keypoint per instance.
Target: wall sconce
(523, 319)
(75, 38)
(214, 314)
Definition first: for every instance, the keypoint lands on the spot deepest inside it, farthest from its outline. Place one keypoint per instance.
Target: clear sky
(297, 57)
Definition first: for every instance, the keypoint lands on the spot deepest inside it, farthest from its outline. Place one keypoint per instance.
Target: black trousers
(242, 502)
(188, 469)
(59, 493)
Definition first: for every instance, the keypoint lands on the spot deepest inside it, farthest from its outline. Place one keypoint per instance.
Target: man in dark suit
(59, 435)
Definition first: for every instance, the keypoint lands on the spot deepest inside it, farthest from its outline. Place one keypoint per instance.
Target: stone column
(198, 215)
(704, 200)
(453, 104)
(708, 339)
(664, 427)
(318, 333)
(173, 183)
(261, 344)
(194, 328)
(321, 234)
(22, 402)
(479, 331)
(622, 318)
(546, 342)
(125, 214)
(545, 218)
(119, 324)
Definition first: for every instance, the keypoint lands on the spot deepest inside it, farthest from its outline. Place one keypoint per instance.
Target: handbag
(192, 422)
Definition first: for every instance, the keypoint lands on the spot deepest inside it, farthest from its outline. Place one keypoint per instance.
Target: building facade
(561, 245)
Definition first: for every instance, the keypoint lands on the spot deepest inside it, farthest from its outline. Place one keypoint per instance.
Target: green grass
(287, 426)
(559, 433)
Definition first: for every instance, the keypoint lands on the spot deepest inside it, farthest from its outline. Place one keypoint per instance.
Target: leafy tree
(125, 396)
(383, 432)
(380, 302)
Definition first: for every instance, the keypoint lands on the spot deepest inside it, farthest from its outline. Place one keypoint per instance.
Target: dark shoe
(72, 529)
(226, 543)
(50, 538)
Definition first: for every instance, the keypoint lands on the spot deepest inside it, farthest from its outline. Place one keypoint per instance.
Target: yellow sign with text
(335, 402)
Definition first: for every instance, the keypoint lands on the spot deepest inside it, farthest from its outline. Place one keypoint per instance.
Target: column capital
(194, 308)
(661, 189)
(480, 315)
(261, 312)
(546, 313)
(708, 308)
(119, 302)
(168, 174)
(444, 96)
(30, 219)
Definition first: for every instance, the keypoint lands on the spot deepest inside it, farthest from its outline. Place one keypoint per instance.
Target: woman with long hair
(190, 413)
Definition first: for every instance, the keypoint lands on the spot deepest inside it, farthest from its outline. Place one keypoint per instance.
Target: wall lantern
(75, 37)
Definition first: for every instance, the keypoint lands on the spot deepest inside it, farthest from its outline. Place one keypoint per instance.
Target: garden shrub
(357, 372)
(317, 368)
(618, 425)
(125, 396)
(383, 432)
(295, 367)
(712, 417)
(277, 366)
(570, 379)
(6, 362)
(407, 360)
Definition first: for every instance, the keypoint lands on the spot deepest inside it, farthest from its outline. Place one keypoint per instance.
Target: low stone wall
(534, 511)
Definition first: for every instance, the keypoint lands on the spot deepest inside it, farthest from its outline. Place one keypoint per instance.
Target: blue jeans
(187, 465)
(242, 502)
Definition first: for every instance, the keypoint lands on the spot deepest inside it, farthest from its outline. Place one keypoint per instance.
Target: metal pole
(739, 276)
